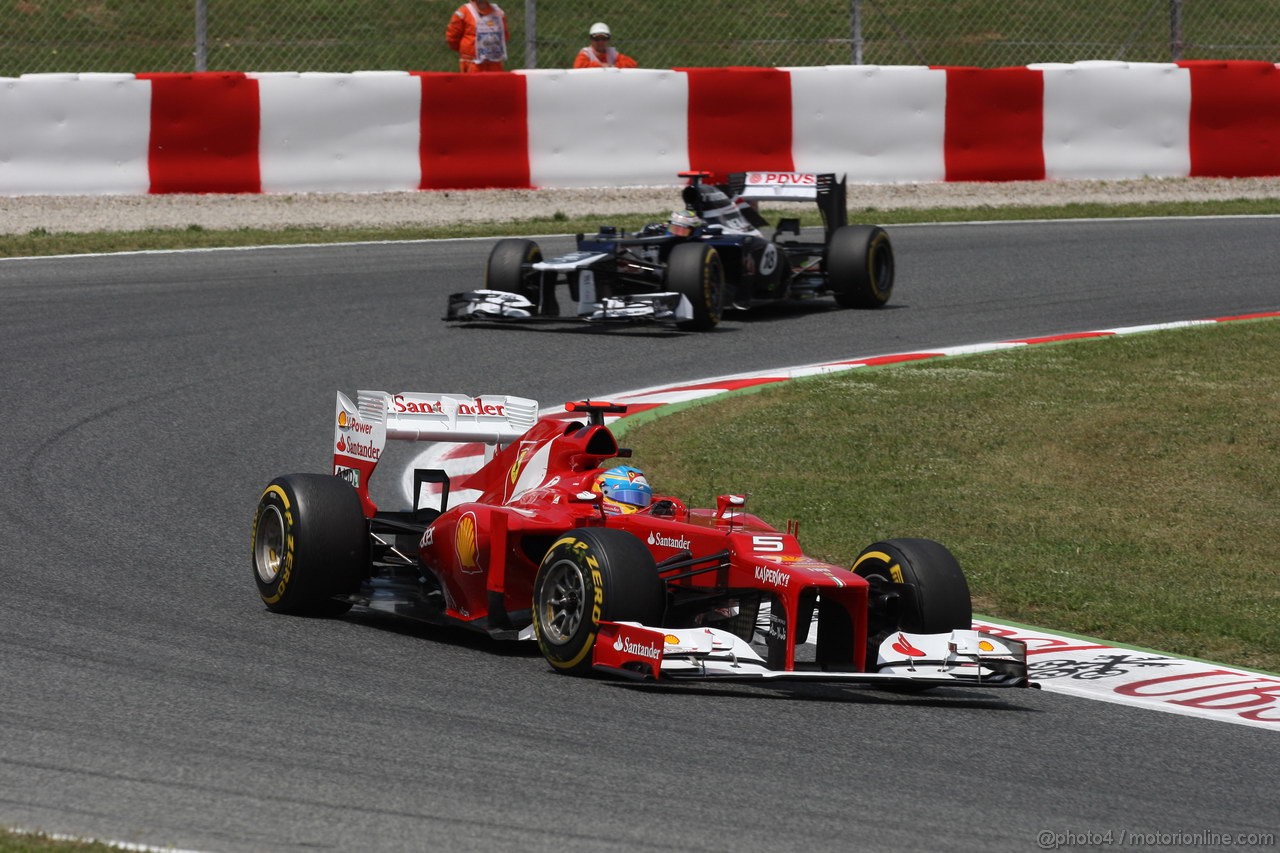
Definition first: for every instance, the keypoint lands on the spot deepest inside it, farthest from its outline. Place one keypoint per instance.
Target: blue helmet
(625, 485)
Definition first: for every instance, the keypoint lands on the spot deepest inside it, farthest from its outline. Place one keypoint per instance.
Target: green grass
(41, 241)
(1123, 488)
(14, 842)
(343, 35)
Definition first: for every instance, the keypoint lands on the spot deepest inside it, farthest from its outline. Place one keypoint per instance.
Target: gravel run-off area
(84, 213)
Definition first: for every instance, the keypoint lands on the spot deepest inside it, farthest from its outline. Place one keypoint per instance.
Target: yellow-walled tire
(310, 544)
(939, 601)
(860, 266)
(695, 271)
(589, 575)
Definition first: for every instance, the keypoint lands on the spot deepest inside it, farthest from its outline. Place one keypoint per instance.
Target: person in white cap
(601, 53)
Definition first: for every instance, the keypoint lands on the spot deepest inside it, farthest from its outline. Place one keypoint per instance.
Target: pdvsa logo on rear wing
(780, 186)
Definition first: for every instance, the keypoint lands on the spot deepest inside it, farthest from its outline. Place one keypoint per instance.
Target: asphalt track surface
(147, 696)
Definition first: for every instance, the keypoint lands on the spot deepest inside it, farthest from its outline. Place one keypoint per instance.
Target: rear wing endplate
(361, 429)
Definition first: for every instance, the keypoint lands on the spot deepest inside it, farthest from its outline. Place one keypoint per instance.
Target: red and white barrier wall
(379, 131)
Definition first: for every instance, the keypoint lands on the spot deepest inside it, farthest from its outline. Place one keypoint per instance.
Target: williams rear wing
(361, 429)
(826, 189)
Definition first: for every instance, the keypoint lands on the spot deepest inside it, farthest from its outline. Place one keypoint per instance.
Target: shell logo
(986, 646)
(342, 420)
(671, 640)
(466, 545)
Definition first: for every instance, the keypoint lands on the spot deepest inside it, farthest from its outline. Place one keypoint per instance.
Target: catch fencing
(42, 36)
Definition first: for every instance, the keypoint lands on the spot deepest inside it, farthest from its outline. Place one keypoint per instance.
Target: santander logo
(640, 649)
(679, 543)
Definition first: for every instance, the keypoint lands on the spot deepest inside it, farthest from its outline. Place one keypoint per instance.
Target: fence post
(530, 33)
(855, 24)
(1175, 29)
(202, 35)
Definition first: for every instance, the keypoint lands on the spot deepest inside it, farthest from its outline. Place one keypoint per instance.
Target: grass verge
(21, 842)
(41, 242)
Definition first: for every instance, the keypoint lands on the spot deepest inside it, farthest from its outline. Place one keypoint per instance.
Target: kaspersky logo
(640, 649)
(679, 543)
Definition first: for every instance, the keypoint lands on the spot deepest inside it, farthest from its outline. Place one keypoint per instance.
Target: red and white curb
(1078, 666)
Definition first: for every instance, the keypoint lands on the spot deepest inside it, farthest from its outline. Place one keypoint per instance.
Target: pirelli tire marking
(895, 570)
(875, 268)
(274, 553)
(561, 609)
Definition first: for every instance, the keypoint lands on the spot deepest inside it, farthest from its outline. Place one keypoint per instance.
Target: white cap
(599, 29)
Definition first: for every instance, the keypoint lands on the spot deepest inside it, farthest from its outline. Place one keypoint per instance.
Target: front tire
(694, 271)
(937, 598)
(860, 268)
(508, 270)
(589, 575)
(310, 543)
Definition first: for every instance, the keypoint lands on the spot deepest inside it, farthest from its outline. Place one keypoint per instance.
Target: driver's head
(683, 222)
(625, 489)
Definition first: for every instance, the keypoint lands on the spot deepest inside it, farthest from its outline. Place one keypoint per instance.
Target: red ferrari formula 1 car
(660, 591)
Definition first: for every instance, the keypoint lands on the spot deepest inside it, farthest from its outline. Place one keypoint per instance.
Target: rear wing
(825, 189)
(361, 429)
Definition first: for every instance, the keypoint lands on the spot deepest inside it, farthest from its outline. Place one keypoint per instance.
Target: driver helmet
(625, 489)
(683, 222)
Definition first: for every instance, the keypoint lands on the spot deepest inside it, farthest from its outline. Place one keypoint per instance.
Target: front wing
(498, 305)
(961, 658)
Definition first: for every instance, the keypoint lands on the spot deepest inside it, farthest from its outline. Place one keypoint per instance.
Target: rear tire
(508, 270)
(860, 268)
(589, 575)
(310, 543)
(937, 601)
(694, 271)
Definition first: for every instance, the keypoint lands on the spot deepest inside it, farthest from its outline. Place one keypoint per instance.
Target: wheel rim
(563, 600)
(268, 544)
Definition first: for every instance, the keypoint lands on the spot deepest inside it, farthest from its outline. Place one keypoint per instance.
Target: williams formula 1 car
(687, 274)
(665, 592)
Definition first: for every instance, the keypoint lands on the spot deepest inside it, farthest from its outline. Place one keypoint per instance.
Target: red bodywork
(486, 552)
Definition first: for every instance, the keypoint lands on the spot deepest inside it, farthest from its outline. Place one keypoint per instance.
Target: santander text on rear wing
(361, 429)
